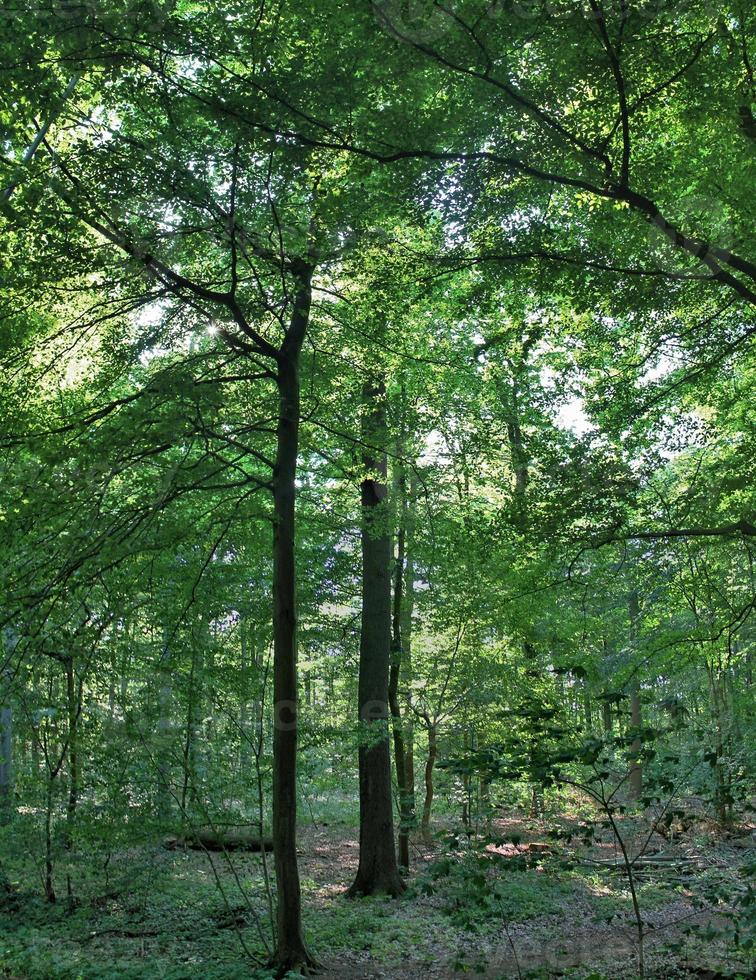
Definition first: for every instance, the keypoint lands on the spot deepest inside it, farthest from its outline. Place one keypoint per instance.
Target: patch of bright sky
(567, 410)
(572, 416)
(663, 366)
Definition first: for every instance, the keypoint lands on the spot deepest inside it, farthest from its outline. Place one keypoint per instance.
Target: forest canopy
(377, 508)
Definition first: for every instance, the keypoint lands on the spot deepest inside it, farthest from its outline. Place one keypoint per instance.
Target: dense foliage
(450, 307)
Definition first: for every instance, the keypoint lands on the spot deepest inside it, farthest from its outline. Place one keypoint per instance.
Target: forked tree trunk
(377, 870)
(291, 953)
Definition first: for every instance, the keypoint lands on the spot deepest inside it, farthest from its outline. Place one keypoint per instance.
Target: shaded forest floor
(499, 909)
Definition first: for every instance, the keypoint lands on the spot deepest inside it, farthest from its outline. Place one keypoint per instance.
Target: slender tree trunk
(291, 953)
(587, 707)
(721, 790)
(165, 693)
(636, 720)
(189, 778)
(244, 732)
(606, 717)
(537, 802)
(377, 870)
(406, 627)
(73, 699)
(6, 729)
(636, 717)
(466, 798)
(400, 753)
(429, 766)
(49, 883)
(6, 752)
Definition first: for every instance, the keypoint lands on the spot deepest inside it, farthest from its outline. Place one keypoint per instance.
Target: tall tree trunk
(189, 778)
(244, 727)
(6, 750)
(377, 870)
(406, 626)
(400, 752)
(73, 700)
(466, 794)
(717, 696)
(587, 707)
(636, 717)
(606, 717)
(291, 953)
(165, 695)
(429, 767)
(636, 720)
(6, 727)
(49, 883)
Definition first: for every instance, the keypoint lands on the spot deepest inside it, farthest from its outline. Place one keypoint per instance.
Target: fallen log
(205, 839)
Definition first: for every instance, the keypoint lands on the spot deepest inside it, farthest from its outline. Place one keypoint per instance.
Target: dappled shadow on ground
(576, 915)
(518, 901)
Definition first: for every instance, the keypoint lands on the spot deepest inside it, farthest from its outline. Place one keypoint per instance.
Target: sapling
(595, 756)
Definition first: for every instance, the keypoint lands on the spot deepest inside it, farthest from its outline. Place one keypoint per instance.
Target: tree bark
(6, 728)
(429, 767)
(291, 953)
(408, 606)
(165, 694)
(397, 656)
(587, 707)
(244, 733)
(636, 718)
(6, 754)
(73, 700)
(377, 870)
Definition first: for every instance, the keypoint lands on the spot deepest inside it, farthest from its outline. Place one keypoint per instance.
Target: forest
(377, 489)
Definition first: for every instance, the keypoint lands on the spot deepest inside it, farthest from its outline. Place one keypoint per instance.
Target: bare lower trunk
(400, 752)
(400, 762)
(377, 870)
(49, 883)
(6, 728)
(429, 767)
(606, 717)
(74, 706)
(189, 778)
(244, 733)
(636, 720)
(409, 602)
(587, 707)
(291, 953)
(6, 754)
(165, 695)
(537, 802)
